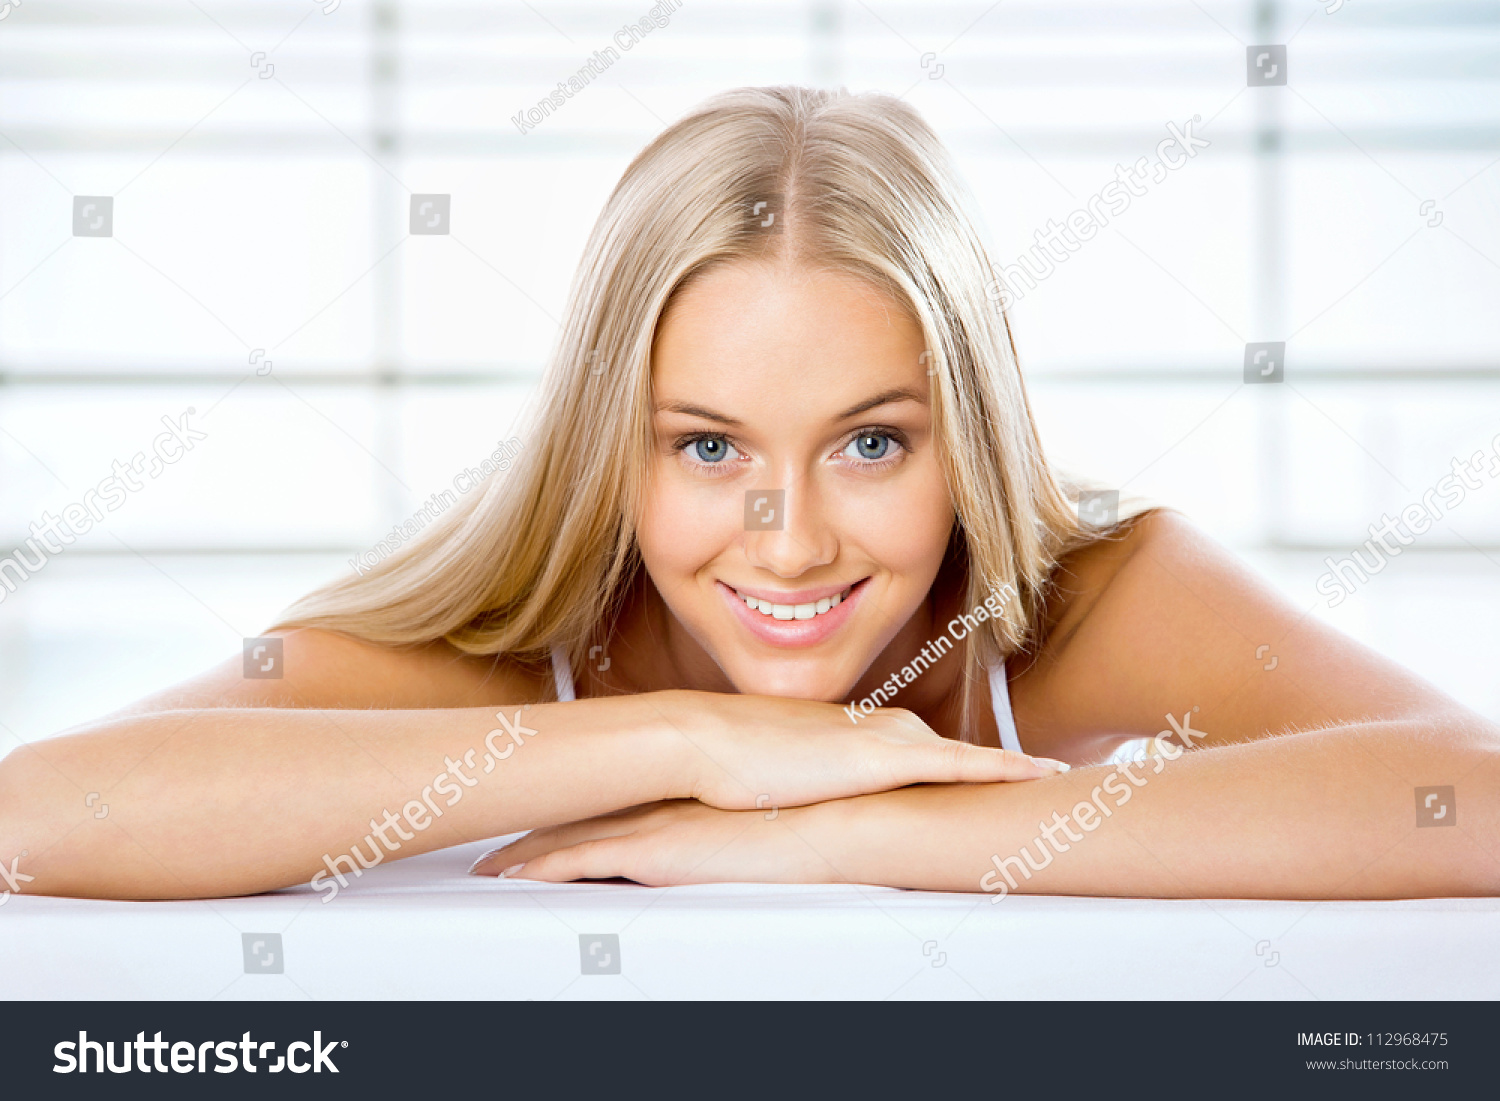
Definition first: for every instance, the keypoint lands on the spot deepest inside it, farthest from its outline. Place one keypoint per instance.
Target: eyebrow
(885, 397)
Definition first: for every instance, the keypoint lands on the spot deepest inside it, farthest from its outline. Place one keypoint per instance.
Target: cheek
(904, 525)
(680, 528)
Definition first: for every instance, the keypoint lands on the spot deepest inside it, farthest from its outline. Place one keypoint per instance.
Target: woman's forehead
(754, 316)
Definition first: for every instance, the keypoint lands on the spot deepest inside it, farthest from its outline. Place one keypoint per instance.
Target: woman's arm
(226, 785)
(223, 799)
(1339, 813)
(1332, 814)
(203, 803)
(1312, 775)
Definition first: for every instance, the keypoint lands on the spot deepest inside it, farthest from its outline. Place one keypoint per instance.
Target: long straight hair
(545, 555)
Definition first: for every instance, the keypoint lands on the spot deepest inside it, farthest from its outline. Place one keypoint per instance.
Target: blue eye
(871, 446)
(711, 449)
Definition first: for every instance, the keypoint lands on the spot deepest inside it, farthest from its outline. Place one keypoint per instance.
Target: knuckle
(955, 754)
(541, 865)
(569, 863)
(908, 720)
(911, 723)
(586, 850)
(898, 725)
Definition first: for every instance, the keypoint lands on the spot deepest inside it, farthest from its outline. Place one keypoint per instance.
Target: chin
(799, 678)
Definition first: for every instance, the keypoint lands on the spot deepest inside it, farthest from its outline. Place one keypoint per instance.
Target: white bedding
(421, 928)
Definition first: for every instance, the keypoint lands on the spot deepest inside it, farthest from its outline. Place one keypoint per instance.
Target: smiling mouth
(794, 611)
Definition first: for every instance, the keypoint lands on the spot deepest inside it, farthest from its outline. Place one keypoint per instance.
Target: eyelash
(895, 435)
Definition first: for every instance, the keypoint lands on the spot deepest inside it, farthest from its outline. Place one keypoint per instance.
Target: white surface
(421, 928)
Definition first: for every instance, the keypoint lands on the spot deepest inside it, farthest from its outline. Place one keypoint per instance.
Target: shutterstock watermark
(1057, 242)
(13, 877)
(52, 534)
(440, 502)
(1344, 577)
(1087, 815)
(419, 813)
(627, 38)
(959, 628)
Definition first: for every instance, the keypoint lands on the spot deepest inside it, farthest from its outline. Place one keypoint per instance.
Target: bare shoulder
(1083, 577)
(328, 669)
(1159, 620)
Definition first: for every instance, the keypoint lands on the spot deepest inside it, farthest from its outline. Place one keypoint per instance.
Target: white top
(562, 676)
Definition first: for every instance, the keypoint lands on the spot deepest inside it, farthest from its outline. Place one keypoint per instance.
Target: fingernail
(481, 860)
(512, 870)
(1056, 766)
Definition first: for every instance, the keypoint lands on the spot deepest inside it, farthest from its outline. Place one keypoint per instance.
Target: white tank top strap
(562, 674)
(1000, 701)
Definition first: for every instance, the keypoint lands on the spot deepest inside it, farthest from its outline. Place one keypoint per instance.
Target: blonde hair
(858, 183)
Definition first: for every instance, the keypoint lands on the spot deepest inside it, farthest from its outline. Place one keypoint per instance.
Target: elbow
(25, 836)
(56, 833)
(1456, 805)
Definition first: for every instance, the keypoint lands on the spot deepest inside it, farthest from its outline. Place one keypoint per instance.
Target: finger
(601, 858)
(544, 840)
(498, 860)
(960, 762)
(964, 762)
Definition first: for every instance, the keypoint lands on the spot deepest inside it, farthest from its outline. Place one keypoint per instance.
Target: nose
(803, 540)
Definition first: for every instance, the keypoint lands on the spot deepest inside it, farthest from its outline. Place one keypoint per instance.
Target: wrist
(886, 838)
(836, 838)
(665, 729)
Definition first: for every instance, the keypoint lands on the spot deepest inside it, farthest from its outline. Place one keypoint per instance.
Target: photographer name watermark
(627, 38)
(440, 502)
(959, 627)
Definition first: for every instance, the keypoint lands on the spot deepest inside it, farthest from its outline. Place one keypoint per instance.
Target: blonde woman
(782, 588)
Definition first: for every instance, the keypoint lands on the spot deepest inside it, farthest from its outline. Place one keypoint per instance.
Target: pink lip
(793, 633)
(792, 596)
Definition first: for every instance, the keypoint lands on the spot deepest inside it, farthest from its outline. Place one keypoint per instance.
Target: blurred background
(255, 263)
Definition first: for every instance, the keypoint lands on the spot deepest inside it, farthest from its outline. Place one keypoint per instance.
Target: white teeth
(792, 611)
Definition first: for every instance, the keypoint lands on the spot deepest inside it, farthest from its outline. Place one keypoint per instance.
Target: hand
(665, 844)
(744, 752)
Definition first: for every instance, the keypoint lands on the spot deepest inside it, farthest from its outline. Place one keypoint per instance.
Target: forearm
(232, 801)
(1331, 814)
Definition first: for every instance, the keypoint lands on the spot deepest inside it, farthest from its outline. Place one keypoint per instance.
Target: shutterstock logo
(187, 1057)
(765, 509)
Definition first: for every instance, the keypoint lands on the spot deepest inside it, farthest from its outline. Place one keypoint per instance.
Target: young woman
(783, 589)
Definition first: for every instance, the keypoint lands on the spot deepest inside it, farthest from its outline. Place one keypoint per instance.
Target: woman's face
(793, 463)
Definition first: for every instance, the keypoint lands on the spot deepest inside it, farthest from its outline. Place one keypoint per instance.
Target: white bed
(421, 928)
